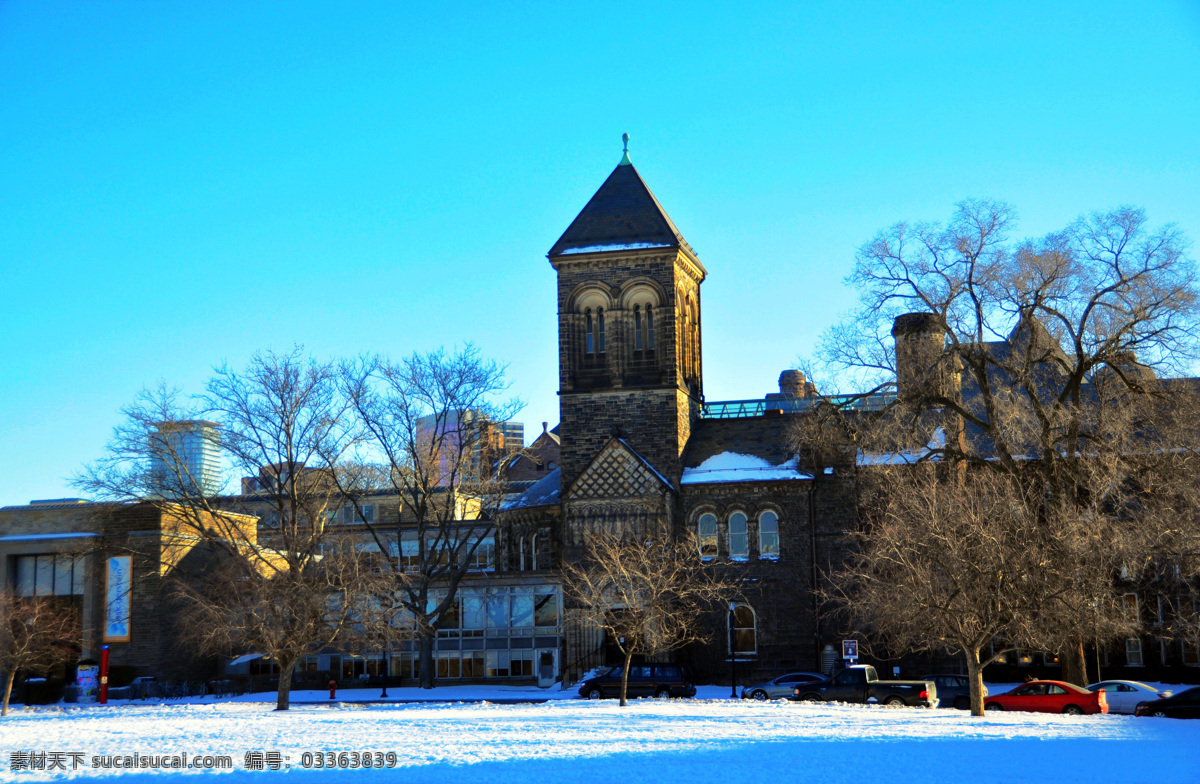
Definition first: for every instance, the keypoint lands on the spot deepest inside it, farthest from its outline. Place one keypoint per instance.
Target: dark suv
(645, 680)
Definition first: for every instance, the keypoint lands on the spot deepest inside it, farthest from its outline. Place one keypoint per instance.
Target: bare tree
(36, 633)
(284, 426)
(234, 605)
(431, 439)
(964, 565)
(1035, 359)
(649, 597)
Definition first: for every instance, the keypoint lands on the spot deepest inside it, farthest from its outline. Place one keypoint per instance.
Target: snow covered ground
(660, 741)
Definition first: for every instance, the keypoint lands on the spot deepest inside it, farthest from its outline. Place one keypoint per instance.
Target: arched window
(637, 327)
(589, 335)
(743, 634)
(600, 330)
(706, 530)
(739, 536)
(649, 328)
(768, 535)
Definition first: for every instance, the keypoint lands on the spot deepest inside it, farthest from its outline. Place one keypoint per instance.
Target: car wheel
(1073, 710)
(759, 695)
(663, 694)
(810, 697)
(1159, 714)
(893, 702)
(595, 694)
(993, 706)
(962, 703)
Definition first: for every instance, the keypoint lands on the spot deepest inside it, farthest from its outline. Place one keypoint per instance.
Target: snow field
(660, 741)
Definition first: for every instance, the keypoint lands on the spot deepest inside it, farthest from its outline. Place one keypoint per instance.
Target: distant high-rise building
(514, 435)
(185, 458)
(482, 442)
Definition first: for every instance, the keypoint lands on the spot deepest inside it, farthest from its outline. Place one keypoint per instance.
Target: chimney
(920, 364)
(792, 383)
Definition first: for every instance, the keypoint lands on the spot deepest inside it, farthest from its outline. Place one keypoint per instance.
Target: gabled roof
(622, 215)
(618, 471)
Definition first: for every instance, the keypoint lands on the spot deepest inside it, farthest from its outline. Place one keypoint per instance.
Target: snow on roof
(40, 537)
(614, 246)
(543, 492)
(904, 456)
(736, 467)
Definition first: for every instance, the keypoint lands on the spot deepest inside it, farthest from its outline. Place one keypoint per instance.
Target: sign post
(104, 675)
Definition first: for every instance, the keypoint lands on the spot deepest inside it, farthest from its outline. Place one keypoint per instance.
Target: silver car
(780, 688)
(1124, 696)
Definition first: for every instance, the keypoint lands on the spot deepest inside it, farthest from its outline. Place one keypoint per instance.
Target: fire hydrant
(332, 689)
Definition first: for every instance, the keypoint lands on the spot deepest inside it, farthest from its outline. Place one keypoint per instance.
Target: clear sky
(183, 184)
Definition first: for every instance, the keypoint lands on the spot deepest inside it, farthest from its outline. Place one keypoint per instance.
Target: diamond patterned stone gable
(616, 473)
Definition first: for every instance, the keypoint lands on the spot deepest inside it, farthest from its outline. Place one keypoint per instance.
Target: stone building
(642, 449)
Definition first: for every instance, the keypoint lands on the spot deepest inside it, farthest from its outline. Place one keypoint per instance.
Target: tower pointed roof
(622, 215)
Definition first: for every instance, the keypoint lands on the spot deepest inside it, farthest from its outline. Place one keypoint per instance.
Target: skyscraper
(185, 458)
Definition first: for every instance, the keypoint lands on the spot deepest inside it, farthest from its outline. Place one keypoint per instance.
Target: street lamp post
(387, 669)
(732, 653)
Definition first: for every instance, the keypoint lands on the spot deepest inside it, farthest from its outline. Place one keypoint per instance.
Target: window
(449, 665)
(739, 537)
(545, 610)
(706, 530)
(600, 330)
(484, 557)
(49, 575)
(522, 611)
(474, 616)
(497, 664)
(1129, 606)
(589, 338)
(497, 612)
(744, 633)
(527, 546)
(768, 535)
(1133, 652)
(649, 328)
(637, 327)
(350, 515)
(521, 664)
(1056, 690)
(1190, 652)
(473, 664)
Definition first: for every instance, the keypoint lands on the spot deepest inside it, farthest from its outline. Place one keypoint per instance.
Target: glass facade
(490, 633)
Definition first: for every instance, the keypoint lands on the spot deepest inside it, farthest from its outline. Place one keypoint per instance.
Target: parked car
(954, 691)
(1125, 696)
(645, 680)
(1184, 705)
(1049, 697)
(860, 684)
(780, 688)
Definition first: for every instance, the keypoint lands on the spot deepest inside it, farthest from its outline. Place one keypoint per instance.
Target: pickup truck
(860, 684)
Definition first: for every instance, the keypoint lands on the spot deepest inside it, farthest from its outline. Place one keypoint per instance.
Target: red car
(1050, 697)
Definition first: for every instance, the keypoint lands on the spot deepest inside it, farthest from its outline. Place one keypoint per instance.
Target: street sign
(850, 650)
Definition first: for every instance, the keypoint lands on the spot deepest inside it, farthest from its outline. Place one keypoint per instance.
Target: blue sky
(184, 184)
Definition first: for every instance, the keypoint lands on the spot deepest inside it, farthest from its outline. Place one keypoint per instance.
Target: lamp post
(387, 670)
(732, 653)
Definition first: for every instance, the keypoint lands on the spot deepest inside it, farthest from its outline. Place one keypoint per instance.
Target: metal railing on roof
(776, 406)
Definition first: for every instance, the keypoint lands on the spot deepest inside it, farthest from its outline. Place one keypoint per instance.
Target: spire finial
(625, 158)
